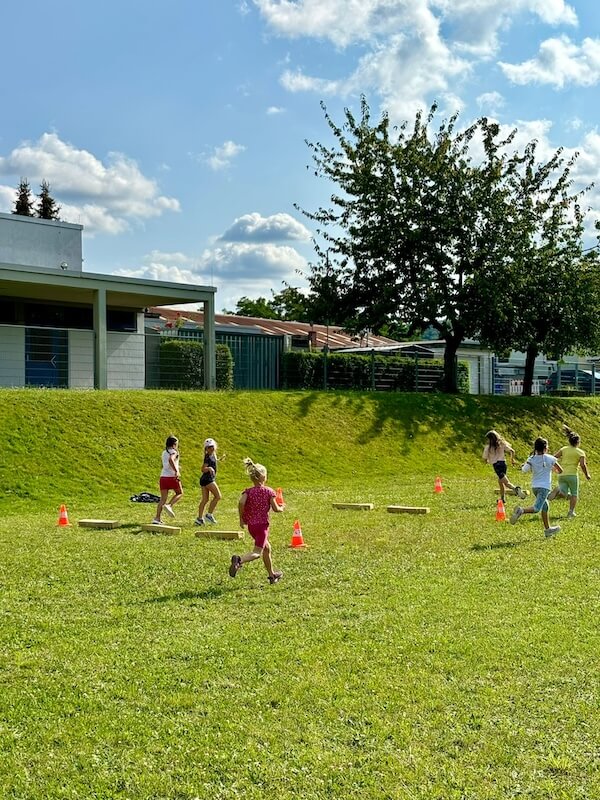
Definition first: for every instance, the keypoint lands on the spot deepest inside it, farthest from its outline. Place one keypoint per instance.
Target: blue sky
(175, 131)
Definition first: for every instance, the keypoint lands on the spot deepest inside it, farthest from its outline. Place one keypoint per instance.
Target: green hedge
(182, 364)
(305, 370)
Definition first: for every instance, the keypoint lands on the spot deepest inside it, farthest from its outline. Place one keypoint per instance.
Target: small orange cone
(279, 496)
(437, 487)
(500, 511)
(63, 517)
(297, 538)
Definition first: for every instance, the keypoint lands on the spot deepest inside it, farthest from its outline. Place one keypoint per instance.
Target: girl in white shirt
(170, 480)
(541, 465)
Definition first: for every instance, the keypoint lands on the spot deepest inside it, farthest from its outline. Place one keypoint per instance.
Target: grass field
(441, 656)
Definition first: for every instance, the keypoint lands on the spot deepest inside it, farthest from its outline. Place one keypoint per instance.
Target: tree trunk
(530, 357)
(450, 384)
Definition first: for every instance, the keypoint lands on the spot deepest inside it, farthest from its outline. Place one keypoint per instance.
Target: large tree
(548, 297)
(411, 222)
(24, 201)
(46, 207)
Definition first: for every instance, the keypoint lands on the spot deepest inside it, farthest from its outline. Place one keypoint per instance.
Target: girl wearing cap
(254, 507)
(208, 484)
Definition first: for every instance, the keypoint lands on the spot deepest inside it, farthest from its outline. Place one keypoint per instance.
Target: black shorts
(499, 468)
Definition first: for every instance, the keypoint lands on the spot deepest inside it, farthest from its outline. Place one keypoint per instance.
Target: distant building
(63, 327)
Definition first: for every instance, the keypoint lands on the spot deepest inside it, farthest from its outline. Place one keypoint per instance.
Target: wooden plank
(512, 492)
(98, 523)
(408, 510)
(355, 506)
(210, 534)
(167, 530)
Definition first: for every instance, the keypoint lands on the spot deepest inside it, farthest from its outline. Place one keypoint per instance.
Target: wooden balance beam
(98, 523)
(355, 506)
(408, 510)
(166, 530)
(512, 492)
(206, 534)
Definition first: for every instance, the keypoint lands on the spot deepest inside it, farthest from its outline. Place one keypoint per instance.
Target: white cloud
(490, 102)
(407, 50)
(256, 228)
(273, 110)
(235, 269)
(559, 62)
(223, 156)
(102, 196)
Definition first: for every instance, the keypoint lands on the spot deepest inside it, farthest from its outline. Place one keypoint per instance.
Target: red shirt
(258, 505)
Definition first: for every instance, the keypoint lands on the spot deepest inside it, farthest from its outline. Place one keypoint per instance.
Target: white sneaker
(571, 515)
(169, 510)
(210, 518)
(516, 515)
(199, 521)
(156, 522)
(551, 531)
(520, 492)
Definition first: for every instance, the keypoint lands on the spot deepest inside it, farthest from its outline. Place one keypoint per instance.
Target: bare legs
(211, 492)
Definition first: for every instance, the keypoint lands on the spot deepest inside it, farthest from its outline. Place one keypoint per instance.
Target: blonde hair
(255, 471)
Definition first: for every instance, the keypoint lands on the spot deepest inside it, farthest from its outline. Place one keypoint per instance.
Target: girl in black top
(208, 484)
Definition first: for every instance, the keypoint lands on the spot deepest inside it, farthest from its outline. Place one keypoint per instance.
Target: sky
(176, 132)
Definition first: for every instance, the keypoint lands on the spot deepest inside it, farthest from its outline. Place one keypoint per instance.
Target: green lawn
(408, 657)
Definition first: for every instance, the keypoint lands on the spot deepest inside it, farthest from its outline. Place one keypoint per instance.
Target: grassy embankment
(436, 656)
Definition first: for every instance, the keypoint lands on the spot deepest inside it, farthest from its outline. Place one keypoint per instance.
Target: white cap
(209, 443)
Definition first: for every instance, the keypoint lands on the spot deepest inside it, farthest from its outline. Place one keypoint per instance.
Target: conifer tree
(24, 201)
(46, 207)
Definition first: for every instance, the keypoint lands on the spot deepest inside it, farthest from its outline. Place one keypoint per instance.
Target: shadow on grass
(212, 593)
(477, 548)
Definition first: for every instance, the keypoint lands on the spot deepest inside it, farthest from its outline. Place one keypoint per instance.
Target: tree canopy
(418, 232)
(24, 201)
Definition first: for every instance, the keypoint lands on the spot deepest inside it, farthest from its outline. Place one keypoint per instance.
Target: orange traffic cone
(500, 511)
(437, 487)
(279, 496)
(297, 539)
(63, 517)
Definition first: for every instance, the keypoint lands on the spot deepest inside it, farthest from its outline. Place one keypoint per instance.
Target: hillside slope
(85, 445)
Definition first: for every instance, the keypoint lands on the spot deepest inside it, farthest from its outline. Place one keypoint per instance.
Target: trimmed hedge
(305, 370)
(182, 364)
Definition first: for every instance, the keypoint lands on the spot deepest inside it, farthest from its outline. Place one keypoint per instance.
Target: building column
(100, 368)
(210, 354)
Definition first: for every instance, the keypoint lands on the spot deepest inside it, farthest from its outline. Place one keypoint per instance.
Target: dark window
(8, 312)
(118, 319)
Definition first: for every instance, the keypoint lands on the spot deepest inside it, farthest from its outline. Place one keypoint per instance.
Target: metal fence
(578, 378)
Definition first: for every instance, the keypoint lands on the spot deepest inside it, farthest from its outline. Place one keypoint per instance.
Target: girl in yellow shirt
(571, 458)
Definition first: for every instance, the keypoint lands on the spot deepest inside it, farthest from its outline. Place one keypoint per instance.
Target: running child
(541, 465)
(254, 506)
(170, 480)
(208, 484)
(494, 453)
(571, 458)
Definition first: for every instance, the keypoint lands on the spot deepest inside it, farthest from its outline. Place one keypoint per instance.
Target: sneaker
(276, 576)
(551, 531)
(553, 493)
(199, 521)
(210, 518)
(235, 566)
(156, 522)
(571, 515)
(169, 510)
(516, 515)
(520, 492)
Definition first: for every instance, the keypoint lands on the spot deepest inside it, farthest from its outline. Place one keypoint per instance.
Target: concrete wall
(30, 242)
(126, 360)
(12, 356)
(81, 359)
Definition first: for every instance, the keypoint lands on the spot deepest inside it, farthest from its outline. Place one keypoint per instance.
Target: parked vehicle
(584, 380)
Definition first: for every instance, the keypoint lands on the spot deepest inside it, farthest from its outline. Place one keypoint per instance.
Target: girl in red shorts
(170, 480)
(254, 507)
